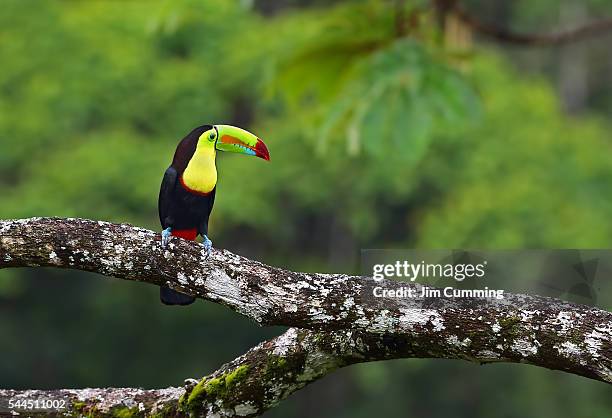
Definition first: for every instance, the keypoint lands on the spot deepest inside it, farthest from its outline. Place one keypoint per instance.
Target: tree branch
(534, 39)
(247, 386)
(340, 320)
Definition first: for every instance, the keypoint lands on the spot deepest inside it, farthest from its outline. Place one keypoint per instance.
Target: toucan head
(233, 139)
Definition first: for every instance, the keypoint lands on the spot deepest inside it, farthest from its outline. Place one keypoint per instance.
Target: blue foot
(207, 243)
(165, 237)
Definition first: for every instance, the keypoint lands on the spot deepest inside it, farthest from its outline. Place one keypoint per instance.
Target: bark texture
(337, 320)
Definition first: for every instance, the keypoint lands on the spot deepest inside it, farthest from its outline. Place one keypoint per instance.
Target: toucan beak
(233, 139)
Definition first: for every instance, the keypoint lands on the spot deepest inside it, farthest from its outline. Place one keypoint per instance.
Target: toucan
(187, 191)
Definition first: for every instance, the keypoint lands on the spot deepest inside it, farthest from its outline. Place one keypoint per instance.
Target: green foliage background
(377, 141)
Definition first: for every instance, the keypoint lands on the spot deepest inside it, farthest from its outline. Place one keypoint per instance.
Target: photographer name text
(412, 271)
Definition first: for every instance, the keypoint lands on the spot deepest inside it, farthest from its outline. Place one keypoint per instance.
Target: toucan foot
(166, 233)
(207, 243)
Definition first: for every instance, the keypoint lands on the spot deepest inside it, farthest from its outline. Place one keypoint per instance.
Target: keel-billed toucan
(187, 192)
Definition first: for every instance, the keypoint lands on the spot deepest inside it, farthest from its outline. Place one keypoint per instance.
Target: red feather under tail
(189, 234)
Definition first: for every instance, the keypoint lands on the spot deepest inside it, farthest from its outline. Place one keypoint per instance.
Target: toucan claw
(207, 243)
(166, 233)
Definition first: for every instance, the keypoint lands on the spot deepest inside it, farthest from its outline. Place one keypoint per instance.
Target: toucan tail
(172, 297)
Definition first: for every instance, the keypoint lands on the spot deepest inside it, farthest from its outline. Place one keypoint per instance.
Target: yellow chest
(201, 172)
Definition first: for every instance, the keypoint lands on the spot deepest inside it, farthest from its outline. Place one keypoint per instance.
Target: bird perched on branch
(187, 192)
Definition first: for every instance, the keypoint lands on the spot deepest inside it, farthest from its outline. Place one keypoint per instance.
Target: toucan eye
(212, 136)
